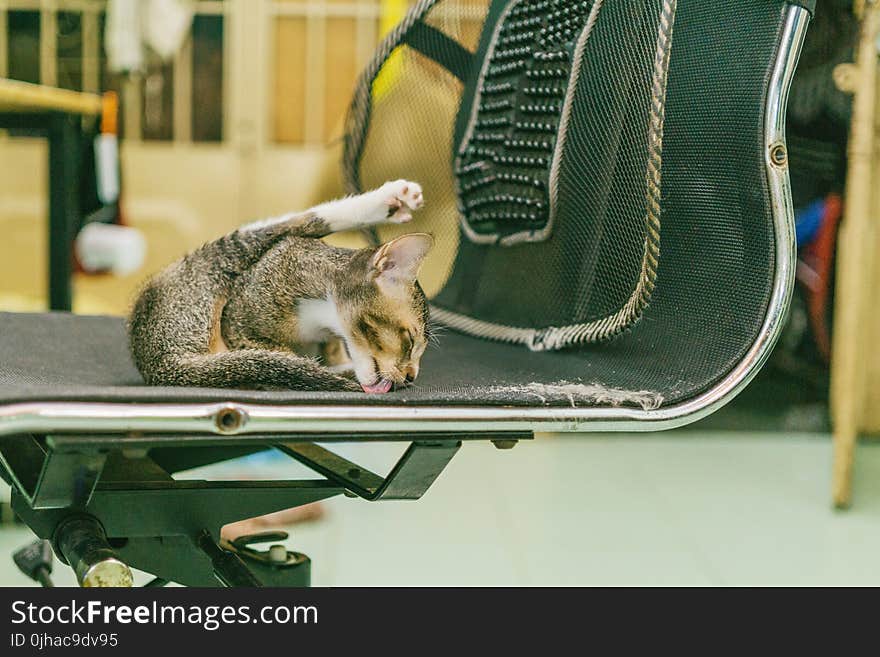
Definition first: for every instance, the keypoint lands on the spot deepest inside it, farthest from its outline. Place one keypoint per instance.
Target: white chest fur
(316, 318)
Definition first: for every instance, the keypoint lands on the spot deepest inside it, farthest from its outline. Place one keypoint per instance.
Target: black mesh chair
(608, 187)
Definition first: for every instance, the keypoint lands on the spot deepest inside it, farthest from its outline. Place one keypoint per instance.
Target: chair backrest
(593, 169)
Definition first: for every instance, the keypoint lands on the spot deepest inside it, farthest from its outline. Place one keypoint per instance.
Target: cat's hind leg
(393, 203)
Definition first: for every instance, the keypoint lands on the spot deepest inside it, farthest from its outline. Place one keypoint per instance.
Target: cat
(244, 310)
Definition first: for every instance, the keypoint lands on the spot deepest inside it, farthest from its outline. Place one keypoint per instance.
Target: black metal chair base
(108, 503)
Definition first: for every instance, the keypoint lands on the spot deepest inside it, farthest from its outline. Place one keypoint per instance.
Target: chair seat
(65, 357)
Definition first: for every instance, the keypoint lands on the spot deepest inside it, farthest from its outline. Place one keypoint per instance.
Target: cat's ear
(399, 260)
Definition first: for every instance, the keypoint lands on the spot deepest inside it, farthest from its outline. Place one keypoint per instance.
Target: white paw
(397, 215)
(402, 195)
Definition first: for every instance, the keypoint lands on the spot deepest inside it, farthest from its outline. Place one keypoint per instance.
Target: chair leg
(841, 474)
(855, 260)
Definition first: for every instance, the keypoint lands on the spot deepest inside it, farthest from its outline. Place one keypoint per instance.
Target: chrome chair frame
(250, 419)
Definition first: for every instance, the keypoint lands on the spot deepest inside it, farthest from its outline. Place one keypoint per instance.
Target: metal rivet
(230, 419)
(778, 155)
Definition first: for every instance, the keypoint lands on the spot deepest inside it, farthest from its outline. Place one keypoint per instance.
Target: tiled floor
(676, 508)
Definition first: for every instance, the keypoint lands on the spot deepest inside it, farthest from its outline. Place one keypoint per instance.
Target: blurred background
(230, 110)
(233, 125)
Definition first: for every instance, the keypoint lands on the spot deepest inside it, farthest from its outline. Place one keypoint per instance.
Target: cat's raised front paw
(402, 195)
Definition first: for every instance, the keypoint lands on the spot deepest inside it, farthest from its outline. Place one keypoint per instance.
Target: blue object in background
(807, 221)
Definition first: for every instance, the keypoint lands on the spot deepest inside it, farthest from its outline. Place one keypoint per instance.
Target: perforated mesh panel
(715, 271)
(546, 103)
(595, 169)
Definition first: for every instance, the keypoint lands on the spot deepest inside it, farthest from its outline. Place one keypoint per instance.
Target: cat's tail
(250, 369)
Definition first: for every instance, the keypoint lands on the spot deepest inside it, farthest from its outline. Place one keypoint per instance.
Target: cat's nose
(411, 373)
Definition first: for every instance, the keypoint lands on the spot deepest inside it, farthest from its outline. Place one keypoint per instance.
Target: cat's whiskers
(434, 332)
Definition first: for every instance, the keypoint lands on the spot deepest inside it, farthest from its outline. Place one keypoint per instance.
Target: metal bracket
(408, 480)
(51, 479)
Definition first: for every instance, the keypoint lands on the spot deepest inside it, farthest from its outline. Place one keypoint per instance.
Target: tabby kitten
(243, 311)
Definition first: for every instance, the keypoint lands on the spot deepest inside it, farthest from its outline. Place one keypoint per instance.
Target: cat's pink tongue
(380, 388)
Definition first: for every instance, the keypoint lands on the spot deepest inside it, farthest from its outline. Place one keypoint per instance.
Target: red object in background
(815, 273)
